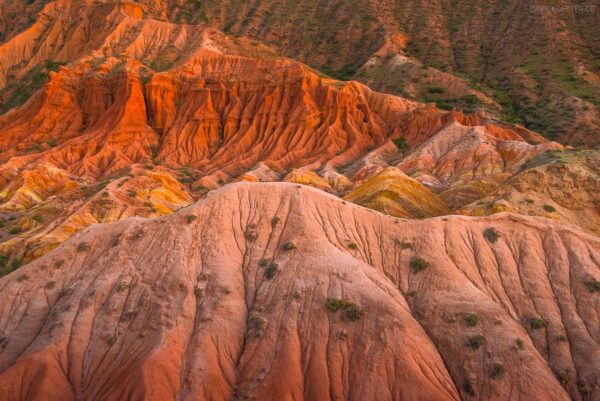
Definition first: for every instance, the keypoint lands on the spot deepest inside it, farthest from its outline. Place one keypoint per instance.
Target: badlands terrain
(196, 204)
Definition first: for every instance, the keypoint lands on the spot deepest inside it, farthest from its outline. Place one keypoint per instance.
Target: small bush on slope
(537, 323)
(350, 311)
(471, 319)
(418, 264)
(475, 342)
(491, 235)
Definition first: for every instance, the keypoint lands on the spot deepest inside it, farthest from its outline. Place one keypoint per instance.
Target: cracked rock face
(282, 292)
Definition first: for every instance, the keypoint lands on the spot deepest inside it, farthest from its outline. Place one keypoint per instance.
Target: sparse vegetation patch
(16, 263)
(15, 230)
(401, 143)
(251, 234)
(491, 235)
(497, 370)
(418, 264)
(350, 311)
(564, 377)
(475, 342)
(83, 247)
(288, 246)
(537, 323)
(583, 386)
(271, 271)
(471, 319)
(593, 285)
(468, 387)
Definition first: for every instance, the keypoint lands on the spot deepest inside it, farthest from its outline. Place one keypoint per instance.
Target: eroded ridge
(279, 291)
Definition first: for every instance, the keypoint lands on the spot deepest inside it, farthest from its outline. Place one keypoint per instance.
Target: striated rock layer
(282, 292)
(190, 104)
(564, 186)
(274, 291)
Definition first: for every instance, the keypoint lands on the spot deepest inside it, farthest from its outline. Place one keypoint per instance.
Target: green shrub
(190, 218)
(470, 100)
(583, 386)
(520, 343)
(19, 92)
(435, 90)
(353, 246)
(418, 264)
(288, 246)
(406, 245)
(271, 271)
(471, 319)
(52, 65)
(16, 263)
(468, 387)
(15, 230)
(537, 323)
(401, 143)
(335, 305)
(444, 106)
(274, 221)
(564, 377)
(593, 285)
(492, 235)
(549, 209)
(497, 370)
(475, 342)
(6, 267)
(251, 234)
(350, 311)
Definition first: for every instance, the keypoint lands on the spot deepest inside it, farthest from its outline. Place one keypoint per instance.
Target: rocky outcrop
(394, 193)
(465, 163)
(563, 186)
(54, 217)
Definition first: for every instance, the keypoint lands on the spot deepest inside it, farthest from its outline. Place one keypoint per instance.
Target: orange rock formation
(270, 291)
(273, 291)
